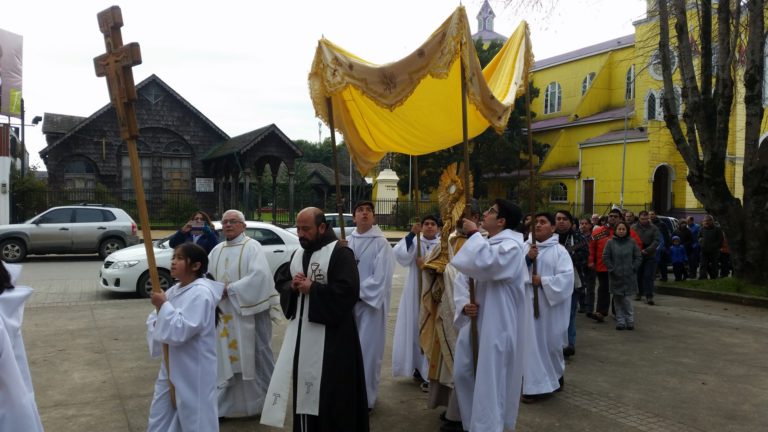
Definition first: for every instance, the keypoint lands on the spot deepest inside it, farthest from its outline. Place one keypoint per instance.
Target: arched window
(678, 102)
(586, 82)
(145, 161)
(177, 166)
(80, 178)
(559, 193)
(650, 106)
(552, 98)
(629, 91)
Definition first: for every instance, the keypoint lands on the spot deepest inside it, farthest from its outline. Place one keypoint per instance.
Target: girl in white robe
(185, 321)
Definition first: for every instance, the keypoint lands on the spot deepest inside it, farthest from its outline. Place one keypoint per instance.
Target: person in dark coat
(622, 258)
(330, 296)
(578, 248)
(711, 241)
(198, 230)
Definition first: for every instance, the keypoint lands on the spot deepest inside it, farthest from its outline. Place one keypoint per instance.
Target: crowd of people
(486, 319)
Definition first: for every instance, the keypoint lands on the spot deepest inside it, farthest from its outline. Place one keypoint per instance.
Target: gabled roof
(242, 143)
(139, 86)
(325, 173)
(564, 121)
(489, 35)
(59, 123)
(562, 172)
(617, 136)
(591, 50)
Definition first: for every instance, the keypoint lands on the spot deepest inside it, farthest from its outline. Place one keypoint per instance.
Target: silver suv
(75, 229)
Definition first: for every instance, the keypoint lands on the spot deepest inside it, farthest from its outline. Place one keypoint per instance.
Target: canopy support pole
(532, 190)
(417, 196)
(467, 213)
(339, 200)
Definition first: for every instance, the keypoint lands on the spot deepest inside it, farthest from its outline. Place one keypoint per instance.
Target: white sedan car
(127, 270)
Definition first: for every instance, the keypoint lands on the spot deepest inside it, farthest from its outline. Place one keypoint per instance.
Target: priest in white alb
(244, 352)
(376, 265)
(489, 399)
(407, 357)
(544, 363)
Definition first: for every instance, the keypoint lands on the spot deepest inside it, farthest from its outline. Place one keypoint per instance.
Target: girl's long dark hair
(5, 278)
(196, 254)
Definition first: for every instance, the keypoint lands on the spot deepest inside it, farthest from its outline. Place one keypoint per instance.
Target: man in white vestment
(407, 358)
(18, 410)
(544, 363)
(244, 351)
(489, 399)
(376, 265)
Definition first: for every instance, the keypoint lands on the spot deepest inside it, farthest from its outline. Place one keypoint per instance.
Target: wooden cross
(116, 65)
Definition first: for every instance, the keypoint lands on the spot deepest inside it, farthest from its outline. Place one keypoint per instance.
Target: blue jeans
(647, 274)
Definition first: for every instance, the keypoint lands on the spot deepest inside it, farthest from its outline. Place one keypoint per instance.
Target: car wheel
(144, 286)
(13, 250)
(110, 245)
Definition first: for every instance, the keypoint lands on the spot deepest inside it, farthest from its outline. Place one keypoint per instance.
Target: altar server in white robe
(18, 410)
(376, 265)
(244, 352)
(489, 400)
(544, 363)
(407, 358)
(185, 321)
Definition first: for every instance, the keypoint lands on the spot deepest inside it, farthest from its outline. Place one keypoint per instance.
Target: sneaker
(630, 326)
(620, 327)
(451, 426)
(425, 387)
(597, 316)
(569, 351)
(650, 302)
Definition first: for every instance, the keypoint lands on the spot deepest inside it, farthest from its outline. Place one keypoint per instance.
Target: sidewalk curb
(741, 299)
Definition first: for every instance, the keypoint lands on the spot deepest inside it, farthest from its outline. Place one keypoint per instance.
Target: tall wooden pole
(116, 66)
(417, 195)
(339, 202)
(532, 190)
(474, 338)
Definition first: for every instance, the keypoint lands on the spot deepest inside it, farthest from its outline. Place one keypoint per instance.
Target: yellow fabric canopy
(413, 106)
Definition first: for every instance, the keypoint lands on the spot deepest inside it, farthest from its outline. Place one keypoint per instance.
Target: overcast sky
(244, 63)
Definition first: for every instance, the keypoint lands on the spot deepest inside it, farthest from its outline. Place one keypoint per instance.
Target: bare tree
(708, 95)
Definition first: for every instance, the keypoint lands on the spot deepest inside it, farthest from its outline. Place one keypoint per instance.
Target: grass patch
(726, 285)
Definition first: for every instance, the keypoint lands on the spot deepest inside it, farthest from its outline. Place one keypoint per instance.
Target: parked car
(128, 271)
(75, 229)
(670, 222)
(333, 221)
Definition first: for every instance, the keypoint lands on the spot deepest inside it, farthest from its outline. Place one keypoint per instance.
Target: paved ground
(691, 365)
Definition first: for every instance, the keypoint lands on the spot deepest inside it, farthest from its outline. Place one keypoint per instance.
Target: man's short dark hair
(509, 211)
(643, 213)
(550, 217)
(430, 217)
(567, 214)
(615, 211)
(320, 219)
(364, 203)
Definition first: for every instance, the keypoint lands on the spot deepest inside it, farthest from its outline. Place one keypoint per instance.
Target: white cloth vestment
(186, 323)
(376, 265)
(489, 401)
(406, 349)
(244, 353)
(544, 363)
(18, 410)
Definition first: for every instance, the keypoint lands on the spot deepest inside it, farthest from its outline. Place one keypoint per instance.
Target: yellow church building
(599, 113)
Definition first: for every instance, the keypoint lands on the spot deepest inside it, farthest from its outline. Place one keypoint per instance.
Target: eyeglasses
(492, 210)
(231, 221)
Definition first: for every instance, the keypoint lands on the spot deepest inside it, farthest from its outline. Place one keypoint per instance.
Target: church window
(177, 167)
(127, 178)
(650, 106)
(558, 193)
(79, 179)
(629, 92)
(654, 66)
(586, 82)
(553, 98)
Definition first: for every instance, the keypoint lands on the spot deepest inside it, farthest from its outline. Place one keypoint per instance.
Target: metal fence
(171, 209)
